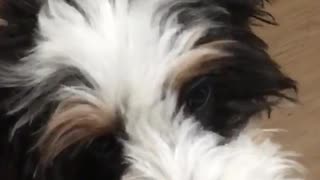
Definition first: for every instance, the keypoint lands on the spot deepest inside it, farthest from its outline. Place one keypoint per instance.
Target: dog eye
(198, 94)
(102, 146)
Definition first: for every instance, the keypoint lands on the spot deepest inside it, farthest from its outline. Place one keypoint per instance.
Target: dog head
(151, 90)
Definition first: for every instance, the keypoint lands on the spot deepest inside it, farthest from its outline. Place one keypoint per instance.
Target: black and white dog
(137, 90)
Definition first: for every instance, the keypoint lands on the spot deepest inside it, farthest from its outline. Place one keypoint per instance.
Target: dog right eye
(103, 146)
(197, 95)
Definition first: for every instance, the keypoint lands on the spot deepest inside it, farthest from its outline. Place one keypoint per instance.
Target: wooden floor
(295, 44)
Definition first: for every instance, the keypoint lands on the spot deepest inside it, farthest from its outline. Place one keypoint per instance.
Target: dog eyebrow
(198, 61)
(75, 121)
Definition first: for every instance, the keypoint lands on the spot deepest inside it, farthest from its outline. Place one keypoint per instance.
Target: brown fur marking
(75, 121)
(197, 62)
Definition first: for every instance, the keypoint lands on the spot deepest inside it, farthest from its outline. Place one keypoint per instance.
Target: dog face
(148, 90)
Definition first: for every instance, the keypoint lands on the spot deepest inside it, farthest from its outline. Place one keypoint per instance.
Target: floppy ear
(232, 19)
(18, 20)
(17, 23)
(242, 11)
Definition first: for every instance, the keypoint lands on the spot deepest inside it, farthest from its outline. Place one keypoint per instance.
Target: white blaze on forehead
(166, 147)
(119, 44)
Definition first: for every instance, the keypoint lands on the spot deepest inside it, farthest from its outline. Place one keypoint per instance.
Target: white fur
(119, 46)
(127, 54)
(173, 147)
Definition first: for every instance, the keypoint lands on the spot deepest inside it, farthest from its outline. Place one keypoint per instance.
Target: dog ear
(18, 21)
(232, 19)
(242, 11)
(235, 12)
(17, 24)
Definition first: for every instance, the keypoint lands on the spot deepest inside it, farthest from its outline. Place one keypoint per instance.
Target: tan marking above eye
(196, 62)
(75, 121)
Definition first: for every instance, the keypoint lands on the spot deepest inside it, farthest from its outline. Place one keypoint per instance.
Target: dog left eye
(102, 146)
(198, 95)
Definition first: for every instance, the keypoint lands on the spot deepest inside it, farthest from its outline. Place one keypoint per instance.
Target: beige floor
(295, 44)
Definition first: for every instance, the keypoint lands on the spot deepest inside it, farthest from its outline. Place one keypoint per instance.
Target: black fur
(223, 100)
(17, 37)
(240, 86)
(235, 89)
(14, 40)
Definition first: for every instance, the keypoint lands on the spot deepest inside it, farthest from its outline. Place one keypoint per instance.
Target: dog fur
(137, 89)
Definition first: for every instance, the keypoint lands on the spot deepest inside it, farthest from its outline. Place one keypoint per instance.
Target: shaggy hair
(137, 89)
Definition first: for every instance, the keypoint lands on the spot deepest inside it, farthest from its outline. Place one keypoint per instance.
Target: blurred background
(295, 45)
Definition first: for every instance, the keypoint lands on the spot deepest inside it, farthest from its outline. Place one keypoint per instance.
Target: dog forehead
(121, 51)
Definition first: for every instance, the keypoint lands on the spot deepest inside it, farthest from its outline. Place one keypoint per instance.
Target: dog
(138, 90)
